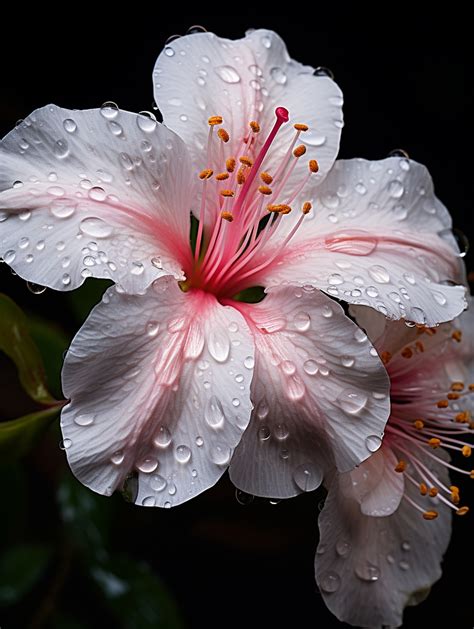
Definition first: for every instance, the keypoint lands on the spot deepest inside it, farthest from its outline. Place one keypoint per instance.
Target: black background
(407, 84)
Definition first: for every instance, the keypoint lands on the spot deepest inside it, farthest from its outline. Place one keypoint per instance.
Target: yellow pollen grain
(300, 126)
(457, 335)
(223, 135)
(285, 210)
(453, 396)
(246, 161)
(241, 176)
(423, 489)
(266, 178)
(280, 208)
(265, 190)
(462, 418)
(227, 216)
(213, 120)
(462, 511)
(299, 150)
(430, 515)
(466, 451)
(471, 387)
(434, 442)
(230, 164)
(386, 357)
(454, 488)
(226, 193)
(407, 352)
(419, 346)
(253, 124)
(455, 498)
(419, 424)
(442, 404)
(457, 386)
(206, 173)
(400, 466)
(313, 165)
(433, 492)
(222, 176)
(306, 207)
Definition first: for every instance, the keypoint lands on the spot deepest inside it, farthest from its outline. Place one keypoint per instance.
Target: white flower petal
(158, 385)
(97, 193)
(201, 75)
(378, 237)
(318, 389)
(369, 568)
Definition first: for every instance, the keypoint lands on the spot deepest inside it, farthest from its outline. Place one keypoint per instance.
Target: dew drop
(322, 71)
(347, 361)
(329, 582)
(23, 242)
(404, 565)
(278, 75)
(163, 437)
(396, 189)
(310, 367)
(152, 328)
(249, 362)
(220, 454)
(352, 402)
(406, 546)
(264, 433)
(439, 298)
(219, 345)
(146, 122)
(109, 110)
(307, 477)
(361, 188)
(149, 501)
(214, 413)
(60, 209)
(36, 289)
(199, 441)
(61, 149)
(367, 572)
(281, 432)
(313, 138)
(183, 454)
(117, 457)
(266, 41)
(409, 278)
(373, 443)
(169, 52)
(167, 505)
(288, 367)
(302, 321)
(379, 274)
(137, 268)
(66, 279)
(65, 444)
(243, 498)
(95, 227)
(148, 465)
(390, 559)
(335, 279)
(343, 548)
(228, 74)
(85, 419)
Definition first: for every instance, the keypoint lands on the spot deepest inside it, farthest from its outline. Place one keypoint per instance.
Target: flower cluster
(180, 373)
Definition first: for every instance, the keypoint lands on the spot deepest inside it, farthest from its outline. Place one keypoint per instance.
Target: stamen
(313, 166)
(430, 515)
(226, 193)
(471, 387)
(406, 352)
(442, 404)
(301, 127)
(433, 492)
(246, 161)
(457, 386)
(419, 424)
(385, 357)
(462, 511)
(223, 135)
(214, 120)
(230, 164)
(462, 418)
(227, 216)
(206, 173)
(453, 396)
(266, 178)
(241, 176)
(434, 442)
(457, 335)
(423, 489)
(299, 150)
(400, 466)
(265, 190)
(466, 451)
(306, 207)
(222, 176)
(253, 124)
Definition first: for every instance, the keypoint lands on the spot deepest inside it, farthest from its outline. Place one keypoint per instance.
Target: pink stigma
(282, 114)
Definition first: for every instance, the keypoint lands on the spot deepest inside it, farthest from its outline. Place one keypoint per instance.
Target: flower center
(242, 208)
(445, 423)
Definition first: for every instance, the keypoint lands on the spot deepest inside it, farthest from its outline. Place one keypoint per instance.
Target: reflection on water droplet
(219, 345)
(85, 419)
(228, 74)
(379, 274)
(148, 465)
(183, 454)
(329, 582)
(117, 457)
(149, 501)
(214, 413)
(396, 189)
(65, 444)
(322, 71)
(109, 110)
(36, 289)
(343, 548)
(243, 498)
(373, 443)
(367, 572)
(95, 227)
(163, 437)
(220, 454)
(307, 477)
(264, 433)
(352, 402)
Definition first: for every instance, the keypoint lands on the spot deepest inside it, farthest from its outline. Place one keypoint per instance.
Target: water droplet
(183, 454)
(85, 419)
(288, 367)
(373, 443)
(163, 437)
(152, 328)
(395, 189)
(61, 149)
(61, 209)
(322, 71)
(218, 345)
(214, 413)
(148, 465)
(409, 278)
(228, 74)
(65, 444)
(36, 289)
(439, 298)
(310, 367)
(220, 454)
(56, 191)
(278, 75)
(367, 572)
(167, 505)
(379, 274)
(233, 327)
(239, 378)
(149, 501)
(404, 565)
(343, 548)
(137, 268)
(390, 559)
(302, 321)
(281, 432)
(361, 188)
(66, 279)
(417, 315)
(266, 41)
(24, 215)
(243, 498)
(329, 582)
(352, 402)
(199, 441)
(95, 227)
(264, 433)
(97, 194)
(307, 477)
(249, 362)
(406, 546)
(313, 138)
(398, 153)
(347, 361)
(146, 122)
(169, 51)
(335, 279)
(109, 110)
(23, 242)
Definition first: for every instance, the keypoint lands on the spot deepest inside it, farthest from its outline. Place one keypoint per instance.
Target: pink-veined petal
(377, 236)
(96, 193)
(159, 385)
(370, 568)
(319, 390)
(201, 75)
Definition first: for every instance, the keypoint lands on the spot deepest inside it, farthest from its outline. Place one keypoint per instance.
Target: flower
(160, 376)
(386, 525)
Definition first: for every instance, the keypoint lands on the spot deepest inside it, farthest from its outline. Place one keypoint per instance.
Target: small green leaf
(134, 596)
(252, 295)
(20, 568)
(52, 342)
(17, 436)
(16, 342)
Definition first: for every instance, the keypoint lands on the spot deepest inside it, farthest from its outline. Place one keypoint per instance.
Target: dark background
(407, 82)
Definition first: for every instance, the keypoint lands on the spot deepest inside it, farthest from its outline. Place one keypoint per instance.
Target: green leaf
(17, 436)
(134, 596)
(83, 299)
(16, 342)
(252, 295)
(52, 342)
(20, 568)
